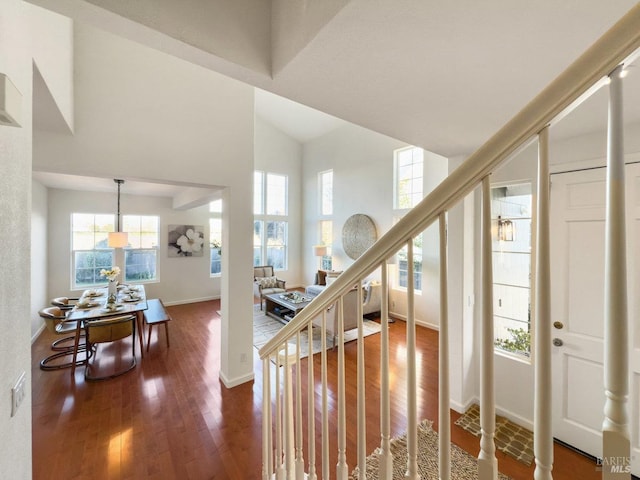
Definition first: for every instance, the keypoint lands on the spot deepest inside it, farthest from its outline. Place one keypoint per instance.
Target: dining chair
(56, 322)
(108, 330)
(64, 303)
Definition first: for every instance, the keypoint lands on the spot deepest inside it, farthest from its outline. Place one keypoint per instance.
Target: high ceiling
(441, 75)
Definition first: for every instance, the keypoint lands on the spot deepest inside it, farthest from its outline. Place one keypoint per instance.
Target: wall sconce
(506, 230)
(118, 239)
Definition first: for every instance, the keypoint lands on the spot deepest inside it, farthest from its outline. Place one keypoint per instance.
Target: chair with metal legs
(107, 330)
(56, 322)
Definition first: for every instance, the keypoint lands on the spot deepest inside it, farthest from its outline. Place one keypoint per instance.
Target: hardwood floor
(172, 418)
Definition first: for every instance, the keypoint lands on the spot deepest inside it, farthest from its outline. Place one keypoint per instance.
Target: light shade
(118, 239)
(319, 250)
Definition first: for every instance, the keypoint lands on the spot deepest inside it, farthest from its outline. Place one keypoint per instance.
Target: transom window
(408, 177)
(408, 168)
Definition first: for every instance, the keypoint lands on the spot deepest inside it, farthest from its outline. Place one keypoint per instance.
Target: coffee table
(285, 306)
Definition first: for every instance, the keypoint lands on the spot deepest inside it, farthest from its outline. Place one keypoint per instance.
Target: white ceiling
(444, 75)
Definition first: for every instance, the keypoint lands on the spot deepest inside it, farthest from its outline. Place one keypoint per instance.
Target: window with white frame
(141, 255)
(215, 237)
(90, 253)
(408, 174)
(511, 248)
(325, 181)
(270, 232)
(326, 192)
(408, 169)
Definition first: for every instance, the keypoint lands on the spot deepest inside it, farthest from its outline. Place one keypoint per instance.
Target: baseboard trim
(422, 323)
(230, 383)
(191, 300)
(514, 417)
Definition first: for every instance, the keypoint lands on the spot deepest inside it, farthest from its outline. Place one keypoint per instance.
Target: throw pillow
(322, 276)
(330, 280)
(333, 274)
(267, 282)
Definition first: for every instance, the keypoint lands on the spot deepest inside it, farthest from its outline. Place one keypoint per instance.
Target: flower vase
(113, 289)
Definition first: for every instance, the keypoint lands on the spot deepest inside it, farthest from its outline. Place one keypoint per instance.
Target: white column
(615, 428)
(385, 456)
(487, 461)
(342, 469)
(543, 431)
(444, 412)
(412, 409)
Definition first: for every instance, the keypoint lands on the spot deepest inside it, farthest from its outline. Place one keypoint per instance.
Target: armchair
(266, 283)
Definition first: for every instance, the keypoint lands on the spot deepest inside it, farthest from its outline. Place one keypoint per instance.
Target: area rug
(463, 465)
(512, 439)
(265, 327)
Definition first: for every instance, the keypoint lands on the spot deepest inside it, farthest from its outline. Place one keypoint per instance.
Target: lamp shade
(118, 239)
(319, 250)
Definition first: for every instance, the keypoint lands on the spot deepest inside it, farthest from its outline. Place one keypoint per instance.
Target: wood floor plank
(172, 418)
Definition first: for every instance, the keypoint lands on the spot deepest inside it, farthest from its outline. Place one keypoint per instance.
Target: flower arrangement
(110, 274)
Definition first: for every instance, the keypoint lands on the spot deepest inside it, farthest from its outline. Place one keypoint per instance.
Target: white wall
(275, 152)
(15, 235)
(39, 241)
(362, 163)
(182, 279)
(52, 50)
(141, 114)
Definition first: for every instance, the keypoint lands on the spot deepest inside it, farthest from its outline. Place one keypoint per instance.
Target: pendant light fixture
(118, 239)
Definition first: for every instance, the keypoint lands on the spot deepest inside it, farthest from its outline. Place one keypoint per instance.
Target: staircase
(287, 455)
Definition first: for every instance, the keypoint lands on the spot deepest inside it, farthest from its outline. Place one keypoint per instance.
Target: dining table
(96, 303)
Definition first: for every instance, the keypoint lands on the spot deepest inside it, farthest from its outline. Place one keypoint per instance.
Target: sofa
(371, 304)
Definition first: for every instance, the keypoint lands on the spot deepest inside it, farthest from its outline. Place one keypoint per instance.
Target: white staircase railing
(283, 456)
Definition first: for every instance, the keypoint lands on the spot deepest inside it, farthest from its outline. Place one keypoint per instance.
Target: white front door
(577, 296)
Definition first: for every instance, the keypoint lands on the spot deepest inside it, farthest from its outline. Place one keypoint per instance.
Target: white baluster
(615, 428)
(311, 406)
(342, 469)
(412, 407)
(267, 419)
(487, 461)
(287, 357)
(385, 456)
(299, 454)
(543, 429)
(325, 408)
(444, 412)
(362, 409)
(280, 473)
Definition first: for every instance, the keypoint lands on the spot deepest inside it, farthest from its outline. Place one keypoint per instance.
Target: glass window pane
(276, 194)
(216, 206)
(140, 264)
(326, 193)
(88, 265)
(258, 194)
